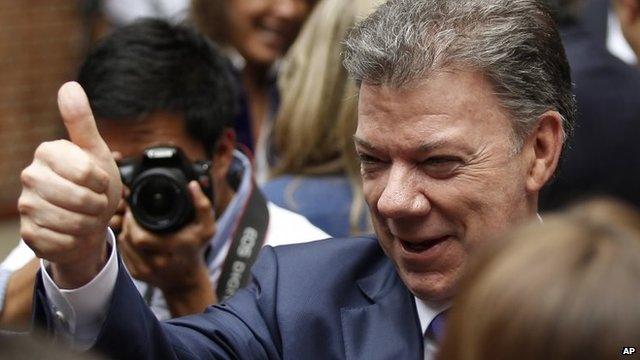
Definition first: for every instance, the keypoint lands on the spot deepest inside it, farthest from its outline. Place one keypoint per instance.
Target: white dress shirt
(80, 312)
(426, 314)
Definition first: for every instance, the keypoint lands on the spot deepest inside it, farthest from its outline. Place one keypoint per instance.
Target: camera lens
(157, 196)
(160, 200)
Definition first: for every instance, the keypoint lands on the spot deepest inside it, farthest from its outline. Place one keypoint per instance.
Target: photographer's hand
(70, 191)
(174, 262)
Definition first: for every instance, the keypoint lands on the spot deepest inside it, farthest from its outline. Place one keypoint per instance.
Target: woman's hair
(314, 127)
(565, 289)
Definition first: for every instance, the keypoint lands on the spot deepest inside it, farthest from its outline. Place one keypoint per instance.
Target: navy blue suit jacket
(331, 299)
(603, 157)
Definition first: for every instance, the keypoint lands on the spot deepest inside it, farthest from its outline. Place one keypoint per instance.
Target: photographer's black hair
(152, 66)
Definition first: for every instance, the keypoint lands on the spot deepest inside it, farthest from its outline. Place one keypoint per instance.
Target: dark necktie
(435, 330)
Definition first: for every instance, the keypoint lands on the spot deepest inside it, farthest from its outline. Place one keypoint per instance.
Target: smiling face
(263, 30)
(441, 174)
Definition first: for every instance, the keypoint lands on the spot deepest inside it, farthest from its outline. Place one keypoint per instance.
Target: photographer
(164, 104)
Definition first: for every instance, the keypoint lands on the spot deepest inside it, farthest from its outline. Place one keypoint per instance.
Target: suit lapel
(389, 327)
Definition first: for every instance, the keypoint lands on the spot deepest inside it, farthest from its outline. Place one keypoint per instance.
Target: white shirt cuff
(79, 313)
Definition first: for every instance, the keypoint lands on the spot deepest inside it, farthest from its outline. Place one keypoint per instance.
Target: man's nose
(403, 196)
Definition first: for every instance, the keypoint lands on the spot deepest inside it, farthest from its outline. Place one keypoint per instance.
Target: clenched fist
(70, 191)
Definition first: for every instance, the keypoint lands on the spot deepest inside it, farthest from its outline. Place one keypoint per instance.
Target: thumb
(78, 118)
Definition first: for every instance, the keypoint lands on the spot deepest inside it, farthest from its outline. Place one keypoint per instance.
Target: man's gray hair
(514, 43)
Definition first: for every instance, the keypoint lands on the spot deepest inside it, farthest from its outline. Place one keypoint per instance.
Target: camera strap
(248, 239)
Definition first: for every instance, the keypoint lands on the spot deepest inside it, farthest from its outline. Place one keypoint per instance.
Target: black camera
(159, 197)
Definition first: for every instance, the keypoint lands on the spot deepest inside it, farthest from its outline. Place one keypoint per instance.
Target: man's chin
(437, 290)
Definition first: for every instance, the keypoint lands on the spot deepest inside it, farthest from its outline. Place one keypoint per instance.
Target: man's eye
(367, 159)
(442, 166)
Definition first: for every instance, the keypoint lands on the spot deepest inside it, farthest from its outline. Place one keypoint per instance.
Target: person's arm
(16, 310)
(125, 328)
(70, 191)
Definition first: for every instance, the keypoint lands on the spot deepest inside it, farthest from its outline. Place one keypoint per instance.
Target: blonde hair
(314, 127)
(565, 289)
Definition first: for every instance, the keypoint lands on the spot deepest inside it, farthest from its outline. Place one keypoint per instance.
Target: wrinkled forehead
(446, 105)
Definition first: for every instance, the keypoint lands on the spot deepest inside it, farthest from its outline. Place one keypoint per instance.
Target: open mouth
(418, 247)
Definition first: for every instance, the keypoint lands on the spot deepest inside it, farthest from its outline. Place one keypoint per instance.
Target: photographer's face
(440, 175)
(131, 138)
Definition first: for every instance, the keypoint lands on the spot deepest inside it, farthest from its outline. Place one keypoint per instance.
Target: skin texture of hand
(173, 262)
(70, 191)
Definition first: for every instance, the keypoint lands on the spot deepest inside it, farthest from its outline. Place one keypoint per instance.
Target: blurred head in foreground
(565, 289)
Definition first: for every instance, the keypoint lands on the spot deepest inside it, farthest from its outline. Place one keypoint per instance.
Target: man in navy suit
(463, 109)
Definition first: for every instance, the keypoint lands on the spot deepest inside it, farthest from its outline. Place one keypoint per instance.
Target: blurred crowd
(232, 125)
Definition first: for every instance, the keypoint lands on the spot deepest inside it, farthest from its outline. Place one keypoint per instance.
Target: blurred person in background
(566, 289)
(17, 273)
(603, 157)
(602, 21)
(628, 12)
(254, 35)
(155, 84)
(317, 172)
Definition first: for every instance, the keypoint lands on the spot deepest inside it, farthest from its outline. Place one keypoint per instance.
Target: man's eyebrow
(432, 145)
(426, 147)
(364, 143)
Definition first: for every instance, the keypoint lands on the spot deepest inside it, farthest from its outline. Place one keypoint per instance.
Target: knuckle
(28, 233)
(43, 149)
(24, 205)
(27, 176)
(83, 172)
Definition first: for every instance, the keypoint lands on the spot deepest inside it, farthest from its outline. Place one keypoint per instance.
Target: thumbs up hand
(70, 191)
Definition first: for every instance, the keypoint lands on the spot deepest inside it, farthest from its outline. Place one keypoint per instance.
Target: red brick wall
(41, 43)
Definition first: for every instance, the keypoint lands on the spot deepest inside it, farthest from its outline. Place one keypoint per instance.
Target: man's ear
(546, 141)
(223, 153)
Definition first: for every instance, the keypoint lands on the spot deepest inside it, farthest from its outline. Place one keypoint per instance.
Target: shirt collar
(427, 312)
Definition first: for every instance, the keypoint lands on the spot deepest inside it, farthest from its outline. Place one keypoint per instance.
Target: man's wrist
(79, 273)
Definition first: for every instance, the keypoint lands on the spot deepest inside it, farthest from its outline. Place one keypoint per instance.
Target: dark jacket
(603, 157)
(331, 299)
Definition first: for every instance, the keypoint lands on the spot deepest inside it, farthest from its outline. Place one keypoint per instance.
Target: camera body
(159, 197)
